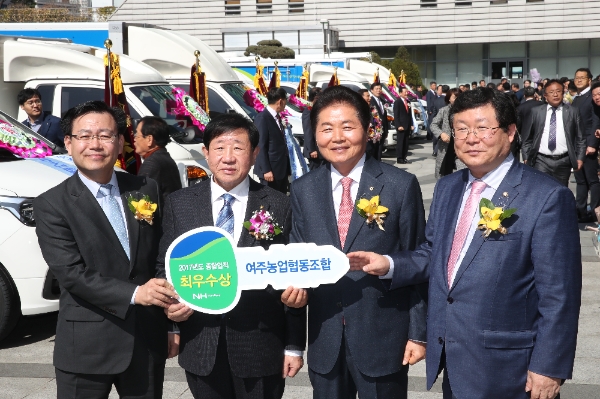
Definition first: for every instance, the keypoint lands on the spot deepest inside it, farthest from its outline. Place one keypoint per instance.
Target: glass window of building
(264, 6)
(460, 3)
(428, 3)
(295, 6)
(232, 7)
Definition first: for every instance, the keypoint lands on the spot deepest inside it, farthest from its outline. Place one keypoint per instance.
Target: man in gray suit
(554, 139)
(361, 337)
(104, 260)
(247, 352)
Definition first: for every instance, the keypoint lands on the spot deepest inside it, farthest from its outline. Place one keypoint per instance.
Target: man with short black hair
(438, 103)
(111, 329)
(150, 139)
(44, 123)
(587, 177)
(378, 102)
(482, 83)
(506, 87)
(524, 112)
(430, 98)
(554, 141)
(473, 85)
(403, 123)
(518, 92)
(247, 352)
(273, 161)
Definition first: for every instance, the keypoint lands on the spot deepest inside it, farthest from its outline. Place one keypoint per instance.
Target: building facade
(452, 41)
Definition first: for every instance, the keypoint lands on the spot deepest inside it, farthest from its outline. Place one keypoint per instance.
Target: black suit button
(339, 304)
(450, 300)
(440, 340)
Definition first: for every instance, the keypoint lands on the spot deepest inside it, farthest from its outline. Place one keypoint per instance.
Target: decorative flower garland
(394, 91)
(376, 128)
(186, 105)
(299, 102)
(19, 143)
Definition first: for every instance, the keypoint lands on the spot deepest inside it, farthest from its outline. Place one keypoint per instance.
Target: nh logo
(200, 296)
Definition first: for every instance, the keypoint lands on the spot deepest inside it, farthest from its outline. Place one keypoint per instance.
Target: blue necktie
(552, 135)
(114, 215)
(225, 218)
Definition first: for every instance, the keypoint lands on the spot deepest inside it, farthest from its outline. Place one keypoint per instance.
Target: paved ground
(26, 356)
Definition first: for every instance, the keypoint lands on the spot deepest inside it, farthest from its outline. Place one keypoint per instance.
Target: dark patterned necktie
(552, 135)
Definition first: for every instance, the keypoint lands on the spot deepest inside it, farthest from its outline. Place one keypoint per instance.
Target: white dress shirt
(337, 190)
(274, 114)
(239, 205)
(94, 188)
(492, 181)
(378, 100)
(561, 138)
(240, 193)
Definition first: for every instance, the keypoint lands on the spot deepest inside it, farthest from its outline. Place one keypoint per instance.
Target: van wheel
(10, 304)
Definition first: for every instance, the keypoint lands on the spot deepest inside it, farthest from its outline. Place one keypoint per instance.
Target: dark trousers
(222, 384)
(402, 144)
(560, 169)
(143, 379)
(587, 181)
(345, 380)
(279, 185)
(374, 150)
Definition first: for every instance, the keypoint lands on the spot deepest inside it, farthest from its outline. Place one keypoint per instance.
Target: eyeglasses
(86, 138)
(554, 92)
(482, 133)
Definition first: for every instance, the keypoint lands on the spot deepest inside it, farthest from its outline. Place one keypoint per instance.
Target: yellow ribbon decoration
(115, 72)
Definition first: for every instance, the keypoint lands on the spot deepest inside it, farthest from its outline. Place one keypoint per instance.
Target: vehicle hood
(32, 177)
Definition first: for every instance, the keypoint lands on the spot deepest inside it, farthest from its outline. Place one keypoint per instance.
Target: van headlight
(195, 175)
(21, 208)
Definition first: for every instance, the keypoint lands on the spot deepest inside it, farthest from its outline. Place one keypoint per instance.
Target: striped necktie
(114, 215)
(225, 218)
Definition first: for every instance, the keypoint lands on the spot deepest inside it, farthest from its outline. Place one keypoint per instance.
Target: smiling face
(376, 91)
(230, 157)
(340, 137)
(33, 108)
(94, 158)
(482, 155)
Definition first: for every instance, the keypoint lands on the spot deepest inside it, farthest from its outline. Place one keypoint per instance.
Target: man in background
(311, 151)
(44, 123)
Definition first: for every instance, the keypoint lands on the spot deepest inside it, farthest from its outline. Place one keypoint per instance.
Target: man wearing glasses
(111, 329)
(44, 123)
(504, 296)
(554, 139)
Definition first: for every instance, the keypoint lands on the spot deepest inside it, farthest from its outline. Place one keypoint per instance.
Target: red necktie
(346, 207)
(405, 104)
(464, 225)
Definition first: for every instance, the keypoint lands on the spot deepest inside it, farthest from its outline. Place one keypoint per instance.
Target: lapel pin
(371, 188)
(505, 194)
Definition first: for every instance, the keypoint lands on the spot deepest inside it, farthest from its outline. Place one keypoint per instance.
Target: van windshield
(236, 91)
(18, 141)
(159, 100)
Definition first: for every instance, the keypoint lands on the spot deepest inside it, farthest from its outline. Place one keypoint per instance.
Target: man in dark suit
(403, 123)
(273, 160)
(524, 110)
(430, 98)
(378, 102)
(311, 151)
(503, 308)
(554, 141)
(358, 331)
(44, 123)
(104, 260)
(587, 177)
(438, 103)
(247, 352)
(518, 92)
(151, 137)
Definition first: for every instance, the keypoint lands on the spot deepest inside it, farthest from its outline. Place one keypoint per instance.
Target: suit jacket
(273, 155)
(260, 327)
(438, 104)
(524, 113)
(573, 130)
(514, 303)
(97, 326)
(310, 143)
(382, 114)
(589, 120)
(402, 116)
(163, 169)
(430, 98)
(378, 322)
(50, 128)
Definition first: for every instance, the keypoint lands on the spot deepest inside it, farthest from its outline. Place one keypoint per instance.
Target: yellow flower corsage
(492, 217)
(143, 209)
(371, 210)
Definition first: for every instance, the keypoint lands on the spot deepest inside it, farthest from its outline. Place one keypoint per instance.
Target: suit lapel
(509, 186)
(256, 196)
(324, 207)
(204, 216)
(90, 209)
(133, 225)
(368, 187)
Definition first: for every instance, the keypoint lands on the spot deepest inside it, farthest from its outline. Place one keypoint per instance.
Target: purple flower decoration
(262, 225)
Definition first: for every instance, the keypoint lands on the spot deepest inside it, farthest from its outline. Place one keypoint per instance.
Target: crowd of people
(490, 298)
